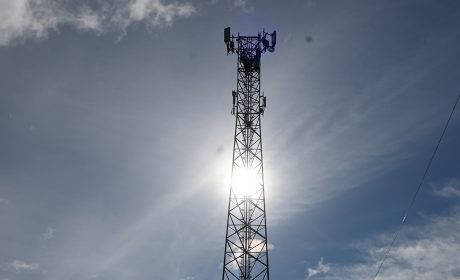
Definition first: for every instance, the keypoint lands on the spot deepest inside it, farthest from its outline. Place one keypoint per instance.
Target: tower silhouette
(246, 246)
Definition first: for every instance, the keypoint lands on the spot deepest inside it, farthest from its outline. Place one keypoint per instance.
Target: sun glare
(245, 182)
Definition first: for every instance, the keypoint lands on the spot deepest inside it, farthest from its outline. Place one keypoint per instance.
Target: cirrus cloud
(19, 266)
(427, 252)
(450, 189)
(25, 19)
(321, 268)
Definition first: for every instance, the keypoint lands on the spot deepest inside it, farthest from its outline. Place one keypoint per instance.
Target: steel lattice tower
(246, 246)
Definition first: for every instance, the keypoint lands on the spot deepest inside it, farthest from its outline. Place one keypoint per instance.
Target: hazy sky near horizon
(116, 137)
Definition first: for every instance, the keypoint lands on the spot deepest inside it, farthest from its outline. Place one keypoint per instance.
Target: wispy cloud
(426, 252)
(346, 133)
(243, 5)
(450, 189)
(49, 233)
(24, 19)
(320, 268)
(4, 200)
(240, 3)
(19, 266)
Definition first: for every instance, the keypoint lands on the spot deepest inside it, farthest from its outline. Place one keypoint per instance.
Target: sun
(245, 182)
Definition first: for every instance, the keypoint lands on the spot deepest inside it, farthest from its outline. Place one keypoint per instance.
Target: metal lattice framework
(246, 247)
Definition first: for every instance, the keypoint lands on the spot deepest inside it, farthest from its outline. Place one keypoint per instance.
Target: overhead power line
(414, 197)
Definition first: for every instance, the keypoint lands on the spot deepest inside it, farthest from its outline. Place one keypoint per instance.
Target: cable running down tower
(246, 247)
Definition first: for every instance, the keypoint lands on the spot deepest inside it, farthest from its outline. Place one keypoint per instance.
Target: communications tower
(246, 247)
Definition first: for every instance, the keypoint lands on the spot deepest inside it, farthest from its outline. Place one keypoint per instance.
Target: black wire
(414, 197)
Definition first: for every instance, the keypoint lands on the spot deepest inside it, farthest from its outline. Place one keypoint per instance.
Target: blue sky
(116, 137)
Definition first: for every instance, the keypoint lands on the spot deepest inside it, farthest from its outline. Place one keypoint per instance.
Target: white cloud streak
(321, 268)
(426, 252)
(346, 139)
(240, 4)
(25, 19)
(243, 5)
(451, 189)
(49, 233)
(19, 266)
